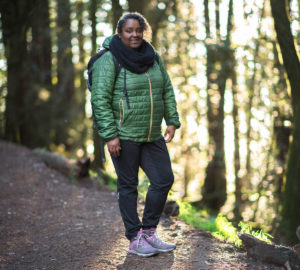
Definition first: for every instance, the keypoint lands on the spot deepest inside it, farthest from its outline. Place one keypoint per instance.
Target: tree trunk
(217, 2)
(97, 162)
(64, 98)
(137, 6)
(281, 134)
(81, 92)
(116, 12)
(92, 13)
(290, 211)
(237, 163)
(16, 18)
(41, 76)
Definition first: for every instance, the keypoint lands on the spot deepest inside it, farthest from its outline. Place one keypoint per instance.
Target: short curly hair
(147, 31)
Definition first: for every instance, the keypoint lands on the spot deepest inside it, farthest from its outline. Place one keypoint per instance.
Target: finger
(112, 151)
(171, 136)
(117, 151)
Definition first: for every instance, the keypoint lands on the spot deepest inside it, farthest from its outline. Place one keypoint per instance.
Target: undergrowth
(219, 226)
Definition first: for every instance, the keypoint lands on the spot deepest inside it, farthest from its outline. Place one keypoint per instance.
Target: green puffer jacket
(151, 97)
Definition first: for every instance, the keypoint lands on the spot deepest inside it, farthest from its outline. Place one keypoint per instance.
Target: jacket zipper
(121, 109)
(151, 100)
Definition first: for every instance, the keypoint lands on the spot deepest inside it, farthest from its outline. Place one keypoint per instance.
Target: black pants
(153, 158)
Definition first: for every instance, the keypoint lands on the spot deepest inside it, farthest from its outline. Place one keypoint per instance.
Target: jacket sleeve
(101, 97)
(170, 106)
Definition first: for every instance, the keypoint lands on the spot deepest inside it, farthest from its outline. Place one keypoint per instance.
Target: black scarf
(137, 61)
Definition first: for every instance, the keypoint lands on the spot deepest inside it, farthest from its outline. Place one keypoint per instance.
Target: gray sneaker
(141, 247)
(154, 241)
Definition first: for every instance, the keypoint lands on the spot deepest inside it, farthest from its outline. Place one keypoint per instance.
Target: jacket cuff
(175, 123)
(106, 139)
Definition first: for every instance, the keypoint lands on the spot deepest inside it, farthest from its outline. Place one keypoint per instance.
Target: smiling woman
(129, 109)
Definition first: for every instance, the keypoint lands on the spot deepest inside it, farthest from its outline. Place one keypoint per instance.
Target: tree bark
(290, 211)
(81, 92)
(16, 19)
(64, 97)
(237, 163)
(207, 21)
(137, 6)
(98, 162)
(92, 13)
(217, 3)
(117, 13)
(41, 76)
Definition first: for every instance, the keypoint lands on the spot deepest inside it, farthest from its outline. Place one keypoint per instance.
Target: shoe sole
(142, 254)
(166, 250)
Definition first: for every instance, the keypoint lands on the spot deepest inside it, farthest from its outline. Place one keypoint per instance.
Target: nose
(135, 33)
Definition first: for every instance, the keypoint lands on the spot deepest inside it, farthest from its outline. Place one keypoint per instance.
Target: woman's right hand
(114, 147)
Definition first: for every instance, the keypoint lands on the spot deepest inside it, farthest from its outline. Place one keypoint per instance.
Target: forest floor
(46, 222)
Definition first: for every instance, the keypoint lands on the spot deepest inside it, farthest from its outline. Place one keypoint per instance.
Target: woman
(129, 110)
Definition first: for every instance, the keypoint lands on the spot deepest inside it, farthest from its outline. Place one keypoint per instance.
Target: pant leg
(155, 162)
(127, 166)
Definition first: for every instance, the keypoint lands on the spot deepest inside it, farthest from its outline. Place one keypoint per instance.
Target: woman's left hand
(169, 133)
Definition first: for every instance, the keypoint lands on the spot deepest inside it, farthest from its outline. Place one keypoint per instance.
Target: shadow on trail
(159, 261)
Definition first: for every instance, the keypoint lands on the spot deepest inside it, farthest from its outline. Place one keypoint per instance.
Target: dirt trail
(48, 223)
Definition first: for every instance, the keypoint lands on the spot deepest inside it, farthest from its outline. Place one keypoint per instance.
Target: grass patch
(219, 226)
(246, 228)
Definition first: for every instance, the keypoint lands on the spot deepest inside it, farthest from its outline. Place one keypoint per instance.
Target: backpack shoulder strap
(156, 57)
(94, 58)
(117, 66)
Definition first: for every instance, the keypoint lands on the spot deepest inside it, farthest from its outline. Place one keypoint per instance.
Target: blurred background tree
(235, 76)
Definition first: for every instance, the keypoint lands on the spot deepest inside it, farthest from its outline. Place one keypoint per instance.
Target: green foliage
(226, 231)
(219, 226)
(247, 228)
(195, 217)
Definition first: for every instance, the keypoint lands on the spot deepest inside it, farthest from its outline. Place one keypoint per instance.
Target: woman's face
(132, 34)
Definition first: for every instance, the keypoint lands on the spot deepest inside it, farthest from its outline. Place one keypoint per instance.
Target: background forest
(236, 73)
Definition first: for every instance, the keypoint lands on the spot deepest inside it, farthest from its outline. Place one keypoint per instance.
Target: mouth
(135, 40)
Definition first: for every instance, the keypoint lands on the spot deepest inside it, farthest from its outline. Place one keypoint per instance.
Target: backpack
(91, 62)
